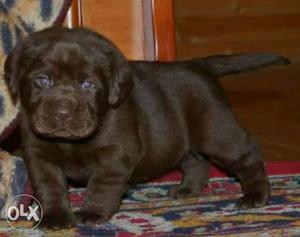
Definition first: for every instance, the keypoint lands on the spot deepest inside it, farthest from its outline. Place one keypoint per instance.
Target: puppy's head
(66, 80)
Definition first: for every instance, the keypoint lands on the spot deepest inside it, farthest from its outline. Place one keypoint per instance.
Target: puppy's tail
(221, 65)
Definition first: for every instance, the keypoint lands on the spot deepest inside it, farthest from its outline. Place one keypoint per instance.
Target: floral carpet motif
(147, 211)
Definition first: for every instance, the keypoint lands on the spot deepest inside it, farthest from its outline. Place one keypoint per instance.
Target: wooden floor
(267, 101)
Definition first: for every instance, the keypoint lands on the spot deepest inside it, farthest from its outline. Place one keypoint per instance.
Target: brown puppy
(90, 115)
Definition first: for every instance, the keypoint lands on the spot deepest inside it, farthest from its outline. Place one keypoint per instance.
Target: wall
(267, 102)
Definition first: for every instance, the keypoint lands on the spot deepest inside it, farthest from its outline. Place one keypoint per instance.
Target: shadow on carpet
(147, 211)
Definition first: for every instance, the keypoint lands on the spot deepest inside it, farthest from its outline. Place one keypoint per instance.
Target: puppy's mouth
(75, 131)
(62, 133)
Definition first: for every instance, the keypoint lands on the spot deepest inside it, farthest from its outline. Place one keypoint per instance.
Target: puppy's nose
(63, 115)
(63, 111)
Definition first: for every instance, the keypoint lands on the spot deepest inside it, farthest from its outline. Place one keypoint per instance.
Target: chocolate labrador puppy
(90, 115)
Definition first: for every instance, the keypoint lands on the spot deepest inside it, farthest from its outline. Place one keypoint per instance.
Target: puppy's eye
(87, 84)
(43, 81)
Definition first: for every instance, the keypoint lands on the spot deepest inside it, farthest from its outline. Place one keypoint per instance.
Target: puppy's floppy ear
(16, 64)
(121, 81)
(11, 71)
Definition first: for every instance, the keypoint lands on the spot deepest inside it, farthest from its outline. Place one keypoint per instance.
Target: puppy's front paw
(57, 220)
(252, 200)
(90, 216)
(181, 191)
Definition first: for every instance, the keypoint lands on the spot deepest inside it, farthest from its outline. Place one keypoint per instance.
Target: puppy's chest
(75, 164)
(74, 172)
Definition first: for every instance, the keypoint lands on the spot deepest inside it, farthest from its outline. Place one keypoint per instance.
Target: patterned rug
(147, 211)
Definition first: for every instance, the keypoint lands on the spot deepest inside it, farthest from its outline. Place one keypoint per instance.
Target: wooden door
(142, 29)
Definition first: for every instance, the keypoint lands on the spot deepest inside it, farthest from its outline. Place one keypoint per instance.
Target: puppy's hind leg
(195, 170)
(241, 156)
(249, 169)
